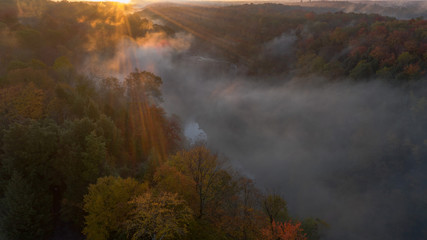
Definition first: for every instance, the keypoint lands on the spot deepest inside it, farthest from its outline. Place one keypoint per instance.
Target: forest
(93, 143)
(334, 45)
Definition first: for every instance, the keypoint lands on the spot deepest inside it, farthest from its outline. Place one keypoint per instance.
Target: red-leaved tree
(284, 231)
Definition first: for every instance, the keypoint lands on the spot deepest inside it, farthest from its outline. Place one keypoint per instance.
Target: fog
(328, 147)
(393, 8)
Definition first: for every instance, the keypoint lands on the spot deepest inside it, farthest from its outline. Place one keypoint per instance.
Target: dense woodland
(100, 157)
(84, 157)
(334, 45)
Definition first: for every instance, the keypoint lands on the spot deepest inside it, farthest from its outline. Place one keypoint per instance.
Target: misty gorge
(287, 120)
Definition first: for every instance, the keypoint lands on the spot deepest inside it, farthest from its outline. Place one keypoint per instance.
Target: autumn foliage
(100, 154)
(284, 231)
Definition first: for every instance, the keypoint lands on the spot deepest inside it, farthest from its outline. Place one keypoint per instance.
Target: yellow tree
(25, 101)
(163, 216)
(168, 179)
(107, 206)
(204, 168)
(252, 219)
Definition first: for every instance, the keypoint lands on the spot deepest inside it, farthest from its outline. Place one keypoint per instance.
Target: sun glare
(122, 1)
(116, 1)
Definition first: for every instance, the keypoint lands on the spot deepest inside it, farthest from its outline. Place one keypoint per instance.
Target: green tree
(25, 213)
(312, 227)
(30, 157)
(363, 70)
(206, 231)
(405, 59)
(30, 38)
(113, 139)
(275, 208)
(30, 149)
(82, 160)
(64, 68)
(93, 157)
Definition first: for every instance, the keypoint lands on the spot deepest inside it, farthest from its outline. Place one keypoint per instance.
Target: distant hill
(290, 39)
